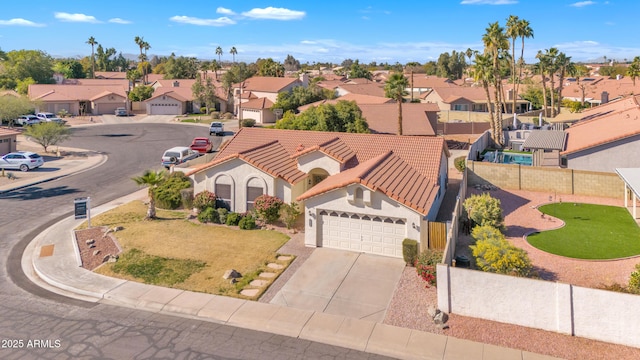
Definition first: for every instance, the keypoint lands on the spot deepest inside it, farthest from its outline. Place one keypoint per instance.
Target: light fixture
(413, 225)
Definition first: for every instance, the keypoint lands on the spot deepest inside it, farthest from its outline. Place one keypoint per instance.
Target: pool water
(508, 158)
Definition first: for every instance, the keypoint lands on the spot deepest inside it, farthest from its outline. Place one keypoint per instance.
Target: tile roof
(111, 75)
(267, 83)
(417, 118)
(603, 124)
(124, 83)
(358, 98)
(407, 158)
(257, 103)
(8, 132)
(371, 88)
(545, 139)
(54, 92)
(429, 81)
(593, 89)
(170, 92)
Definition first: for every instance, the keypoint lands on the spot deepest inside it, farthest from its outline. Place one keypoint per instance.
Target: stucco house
(254, 97)
(461, 98)
(175, 97)
(8, 140)
(607, 137)
(90, 96)
(360, 192)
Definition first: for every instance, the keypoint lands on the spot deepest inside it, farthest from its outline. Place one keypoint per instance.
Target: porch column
(626, 194)
(634, 205)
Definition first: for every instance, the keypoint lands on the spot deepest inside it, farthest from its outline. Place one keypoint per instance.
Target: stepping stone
(284, 257)
(275, 266)
(267, 275)
(249, 292)
(258, 283)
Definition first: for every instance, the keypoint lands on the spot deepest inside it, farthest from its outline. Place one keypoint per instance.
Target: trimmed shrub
(247, 223)
(248, 123)
(209, 215)
(187, 198)
(204, 199)
(409, 251)
(228, 116)
(426, 265)
(168, 193)
(267, 208)
(233, 219)
(289, 213)
(222, 214)
(484, 210)
(215, 115)
(634, 281)
(497, 255)
(460, 163)
(485, 232)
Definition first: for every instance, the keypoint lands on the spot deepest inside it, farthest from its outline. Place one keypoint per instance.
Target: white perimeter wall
(596, 314)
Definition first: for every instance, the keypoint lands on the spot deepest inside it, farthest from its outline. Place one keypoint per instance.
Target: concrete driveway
(343, 283)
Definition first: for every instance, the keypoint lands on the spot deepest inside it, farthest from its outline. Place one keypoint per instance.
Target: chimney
(604, 98)
(304, 79)
(510, 94)
(176, 83)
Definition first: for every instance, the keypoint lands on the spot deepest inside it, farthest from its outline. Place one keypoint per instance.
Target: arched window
(254, 189)
(223, 189)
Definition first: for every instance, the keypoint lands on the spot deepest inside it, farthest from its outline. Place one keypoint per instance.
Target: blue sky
(327, 31)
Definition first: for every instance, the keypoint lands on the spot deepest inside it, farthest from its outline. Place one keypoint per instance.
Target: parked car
(27, 120)
(47, 117)
(178, 155)
(21, 160)
(121, 111)
(201, 145)
(216, 128)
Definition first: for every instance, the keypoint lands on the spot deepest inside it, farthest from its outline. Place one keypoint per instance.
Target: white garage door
(362, 233)
(166, 109)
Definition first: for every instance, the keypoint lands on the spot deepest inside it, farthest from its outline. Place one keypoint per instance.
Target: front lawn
(590, 232)
(172, 244)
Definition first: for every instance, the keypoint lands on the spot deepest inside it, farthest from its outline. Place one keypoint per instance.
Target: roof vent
(300, 147)
(176, 84)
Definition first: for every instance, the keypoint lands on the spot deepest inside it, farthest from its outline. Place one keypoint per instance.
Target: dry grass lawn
(173, 236)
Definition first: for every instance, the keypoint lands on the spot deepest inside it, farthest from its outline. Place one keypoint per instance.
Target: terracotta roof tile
(417, 118)
(55, 92)
(604, 124)
(257, 103)
(267, 83)
(371, 88)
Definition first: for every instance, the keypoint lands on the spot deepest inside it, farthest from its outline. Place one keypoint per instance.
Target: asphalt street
(37, 324)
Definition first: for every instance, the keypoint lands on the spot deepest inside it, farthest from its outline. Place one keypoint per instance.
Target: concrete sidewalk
(51, 262)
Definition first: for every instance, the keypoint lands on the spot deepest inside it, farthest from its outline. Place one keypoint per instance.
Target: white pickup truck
(216, 128)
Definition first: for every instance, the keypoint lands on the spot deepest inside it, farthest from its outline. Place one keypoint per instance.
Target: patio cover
(631, 178)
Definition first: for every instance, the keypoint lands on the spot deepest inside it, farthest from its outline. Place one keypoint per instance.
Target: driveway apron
(343, 283)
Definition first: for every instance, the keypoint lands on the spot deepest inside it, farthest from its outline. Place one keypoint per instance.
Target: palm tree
(633, 71)
(219, 53)
(552, 68)
(92, 41)
(395, 88)
(215, 66)
(483, 73)
(495, 43)
(151, 179)
(233, 52)
(565, 65)
(541, 68)
(517, 28)
(205, 66)
(579, 71)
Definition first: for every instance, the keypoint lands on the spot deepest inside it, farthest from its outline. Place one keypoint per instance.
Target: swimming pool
(508, 158)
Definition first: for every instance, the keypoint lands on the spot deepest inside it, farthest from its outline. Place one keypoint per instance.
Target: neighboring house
(8, 140)
(607, 137)
(267, 87)
(259, 110)
(369, 88)
(111, 75)
(545, 146)
(599, 89)
(359, 99)
(470, 99)
(424, 83)
(360, 192)
(93, 99)
(417, 118)
(175, 97)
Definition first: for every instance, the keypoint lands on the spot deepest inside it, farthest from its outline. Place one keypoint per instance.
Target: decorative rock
(113, 258)
(91, 246)
(258, 283)
(249, 292)
(91, 241)
(106, 258)
(440, 318)
(231, 274)
(432, 311)
(96, 252)
(284, 257)
(233, 281)
(275, 266)
(267, 275)
(118, 228)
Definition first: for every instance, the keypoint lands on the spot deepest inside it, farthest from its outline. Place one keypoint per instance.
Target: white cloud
(119, 21)
(583, 3)
(62, 16)
(488, 2)
(225, 11)
(20, 22)
(221, 21)
(274, 14)
(308, 42)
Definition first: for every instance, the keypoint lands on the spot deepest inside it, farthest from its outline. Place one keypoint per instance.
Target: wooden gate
(437, 235)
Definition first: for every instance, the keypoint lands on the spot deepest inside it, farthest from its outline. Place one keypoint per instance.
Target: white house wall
(317, 159)
(381, 205)
(608, 157)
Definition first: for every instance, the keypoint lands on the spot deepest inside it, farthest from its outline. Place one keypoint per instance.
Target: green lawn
(590, 232)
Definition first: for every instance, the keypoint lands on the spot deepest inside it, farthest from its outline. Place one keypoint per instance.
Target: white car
(27, 120)
(47, 116)
(21, 160)
(178, 155)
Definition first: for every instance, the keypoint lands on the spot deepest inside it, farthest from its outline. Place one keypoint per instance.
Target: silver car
(27, 120)
(21, 160)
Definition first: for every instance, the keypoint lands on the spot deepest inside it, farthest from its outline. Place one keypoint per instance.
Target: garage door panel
(362, 233)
